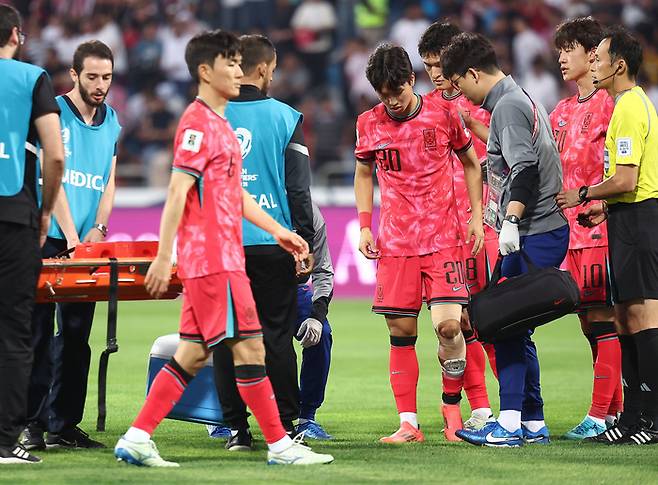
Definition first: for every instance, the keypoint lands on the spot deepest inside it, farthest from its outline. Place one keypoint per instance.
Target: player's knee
(448, 329)
(249, 351)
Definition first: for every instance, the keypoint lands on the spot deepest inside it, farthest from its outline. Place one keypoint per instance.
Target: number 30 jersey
(413, 158)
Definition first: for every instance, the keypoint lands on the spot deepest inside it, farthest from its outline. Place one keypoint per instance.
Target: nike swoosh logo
(382, 145)
(456, 288)
(558, 301)
(561, 123)
(493, 439)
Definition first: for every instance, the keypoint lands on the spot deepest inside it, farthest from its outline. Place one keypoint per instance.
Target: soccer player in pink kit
(206, 203)
(410, 139)
(436, 37)
(579, 125)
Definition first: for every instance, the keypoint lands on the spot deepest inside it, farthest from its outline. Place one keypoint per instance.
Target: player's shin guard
(630, 381)
(474, 382)
(403, 367)
(646, 343)
(607, 368)
(256, 391)
(166, 390)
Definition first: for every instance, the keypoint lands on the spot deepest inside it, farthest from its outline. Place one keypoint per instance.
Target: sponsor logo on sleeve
(624, 147)
(192, 140)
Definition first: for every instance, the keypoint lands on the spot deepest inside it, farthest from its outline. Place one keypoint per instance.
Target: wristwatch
(102, 228)
(513, 219)
(582, 194)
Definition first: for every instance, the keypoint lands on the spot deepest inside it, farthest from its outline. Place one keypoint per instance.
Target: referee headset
(597, 81)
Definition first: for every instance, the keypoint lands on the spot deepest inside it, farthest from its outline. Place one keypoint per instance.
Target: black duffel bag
(511, 307)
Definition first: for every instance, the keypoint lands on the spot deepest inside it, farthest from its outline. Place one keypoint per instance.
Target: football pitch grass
(359, 409)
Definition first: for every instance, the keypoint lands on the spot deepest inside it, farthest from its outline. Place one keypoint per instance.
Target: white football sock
(137, 435)
(411, 418)
(281, 445)
(510, 419)
(534, 426)
(599, 421)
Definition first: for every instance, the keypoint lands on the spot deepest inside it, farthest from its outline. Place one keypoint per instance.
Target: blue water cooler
(199, 403)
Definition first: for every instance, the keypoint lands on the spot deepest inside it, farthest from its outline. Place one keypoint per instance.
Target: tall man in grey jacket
(524, 176)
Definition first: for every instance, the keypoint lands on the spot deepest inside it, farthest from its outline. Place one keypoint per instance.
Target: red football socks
(474, 381)
(166, 390)
(607, 372)
(256, 391)
(403, 366)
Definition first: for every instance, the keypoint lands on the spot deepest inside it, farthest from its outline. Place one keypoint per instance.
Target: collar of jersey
(411, 115)
(588, 97)
(450, 98)
(208, 106)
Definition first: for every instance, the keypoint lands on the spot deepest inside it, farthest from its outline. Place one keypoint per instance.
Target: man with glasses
(28, 114)
(524, 175)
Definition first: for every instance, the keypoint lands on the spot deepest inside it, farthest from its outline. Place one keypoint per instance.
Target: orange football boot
(406, 434)
(452, 417)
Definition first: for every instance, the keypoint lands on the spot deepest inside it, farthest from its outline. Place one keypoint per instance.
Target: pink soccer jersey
(579, 127)
(462, 201)
(415, 170)
(210, 232)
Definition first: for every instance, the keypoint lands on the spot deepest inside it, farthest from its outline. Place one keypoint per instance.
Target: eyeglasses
(21, 37)
(454, 83)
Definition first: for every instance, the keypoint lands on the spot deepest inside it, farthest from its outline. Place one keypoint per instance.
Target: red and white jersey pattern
(414, 168)
(210, 231)
(579, 127)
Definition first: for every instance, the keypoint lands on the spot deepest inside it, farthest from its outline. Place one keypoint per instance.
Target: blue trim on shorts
(230, 312)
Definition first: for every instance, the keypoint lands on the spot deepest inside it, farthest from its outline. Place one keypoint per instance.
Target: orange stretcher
(105, 271)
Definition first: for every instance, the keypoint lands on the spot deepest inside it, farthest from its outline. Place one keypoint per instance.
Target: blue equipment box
(199, 403)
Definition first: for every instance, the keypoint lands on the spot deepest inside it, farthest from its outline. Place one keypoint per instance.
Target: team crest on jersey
(586, 122)
(429, 138)
(192, 140)
(244, 138)
(561, 123)
(380, 293)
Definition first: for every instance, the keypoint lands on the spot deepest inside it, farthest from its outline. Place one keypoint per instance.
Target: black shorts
(633, 245)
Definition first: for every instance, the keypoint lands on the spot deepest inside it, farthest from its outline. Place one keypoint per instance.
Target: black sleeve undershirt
(524, 184)
(298, 181)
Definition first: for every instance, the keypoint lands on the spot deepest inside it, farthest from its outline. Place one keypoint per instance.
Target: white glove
(310, 332)
(508, 239)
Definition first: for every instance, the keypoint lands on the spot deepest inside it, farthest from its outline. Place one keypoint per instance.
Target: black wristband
(513, 219)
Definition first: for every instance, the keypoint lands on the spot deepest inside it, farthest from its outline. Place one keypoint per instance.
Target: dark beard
(86, 97)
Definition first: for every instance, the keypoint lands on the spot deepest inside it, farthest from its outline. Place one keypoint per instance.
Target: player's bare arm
(62, 213)
(479, 129)
(288, 240)
(159, 273)
(473, 177)
(624, 180)
(364, 189)
(48, 130)
(104, 207)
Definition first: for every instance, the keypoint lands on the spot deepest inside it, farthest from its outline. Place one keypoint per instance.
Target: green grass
(359, 409)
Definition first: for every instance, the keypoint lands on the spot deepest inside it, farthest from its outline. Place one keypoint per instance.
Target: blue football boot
(587, 428)
(541, 437)
(492, 434)
(314, 431)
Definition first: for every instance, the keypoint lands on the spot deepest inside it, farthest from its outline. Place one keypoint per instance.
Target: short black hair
(466, 51)
(623, 45)
(436, 37)
(586, 31)
(255, 49)
(92, 48)
(203, 48)
(389, 66)
(9, 18)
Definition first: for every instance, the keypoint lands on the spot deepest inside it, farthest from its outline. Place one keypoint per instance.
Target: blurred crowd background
(323, 47)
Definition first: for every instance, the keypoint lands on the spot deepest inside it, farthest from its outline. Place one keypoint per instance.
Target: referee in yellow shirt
(629, 193)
